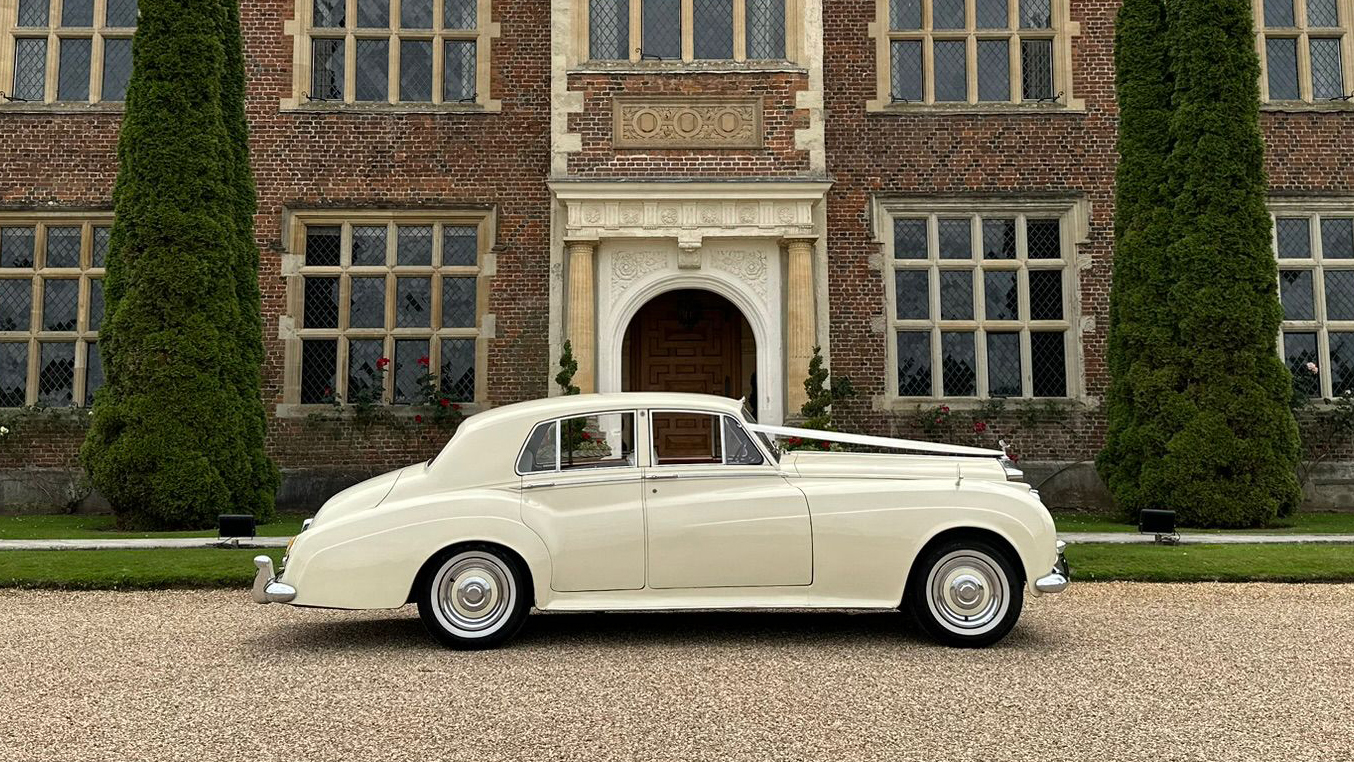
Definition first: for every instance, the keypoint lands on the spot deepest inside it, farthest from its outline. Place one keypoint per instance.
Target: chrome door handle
(540, 485)
(662, 476)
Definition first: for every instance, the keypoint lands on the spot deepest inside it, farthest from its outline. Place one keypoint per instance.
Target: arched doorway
(690, 340)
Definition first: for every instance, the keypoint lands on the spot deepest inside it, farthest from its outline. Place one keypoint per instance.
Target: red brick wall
(312, 160)
(777, 158)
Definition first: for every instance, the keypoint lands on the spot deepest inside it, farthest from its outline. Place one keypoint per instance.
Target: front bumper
(1056, 580)
(266, 587)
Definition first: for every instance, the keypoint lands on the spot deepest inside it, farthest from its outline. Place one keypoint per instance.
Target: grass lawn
(83, 527)
(1299, 523)
(129, 569)
(1093, 562)
(214, 568)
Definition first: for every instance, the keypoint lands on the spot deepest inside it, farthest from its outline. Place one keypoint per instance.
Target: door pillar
(801, 331)
(582, 326)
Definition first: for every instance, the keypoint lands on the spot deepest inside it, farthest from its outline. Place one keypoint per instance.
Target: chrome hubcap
(966, 590)
(474, 593)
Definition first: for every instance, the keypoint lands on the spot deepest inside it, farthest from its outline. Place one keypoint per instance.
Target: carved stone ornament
(687, 122)
(627, 267)
(748, 266)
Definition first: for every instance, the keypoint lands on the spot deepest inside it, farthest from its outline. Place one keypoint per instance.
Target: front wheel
(473, 596)
(965, 593)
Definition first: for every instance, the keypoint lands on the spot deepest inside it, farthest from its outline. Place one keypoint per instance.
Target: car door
(719, 514)
(581, 489)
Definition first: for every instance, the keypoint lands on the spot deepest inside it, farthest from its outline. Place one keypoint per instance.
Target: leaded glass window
(51, 307)
(971, 51)
(1305, 50)
(1315, 250)
(427, 52)
(68, 51)
(980, 303)
(686, 30)
(404, 288)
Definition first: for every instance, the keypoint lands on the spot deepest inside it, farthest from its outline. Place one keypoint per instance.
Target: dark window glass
(30, 68)
(955, 239)
(994, 70)
(326, 69)
(373, 71)
(914, 364)
(329, 13)
(1341, 363)
(322, 246)
(1339, 294)
(416, 70)
(60, 304)
(17, 246)
(1003, 365)
(457, 377)
(458, 71)
(1299, 351)
(373, 14)
(120, 13)
(904, 15)
(1048, 364)
(909, 239)
(364, 371)
(956, 295)
(416, 14)
(765, 29)
(661, 22)
(947, 14)
(63, 247)
(458, 302)
(72, 79)
(1046, 294)
(992, 14)
(1328, 79)
(999, 239)
(102, 236)
(411, 362)
(117, 68)
(321, 303)
(1294, 237)
(609, 30)
(33, 13)
(56, 374)
(368, 303)
(458, 14)
(1279, 13)
(16, 304)
(414, 245)
(369, 245)
(318, 361)
(911, 290)
(77, 13)
(1036, 14)
(1036, 69)
(1295, 291)
(413, 302)
(1337, 238)
(958, 369)
(905, 73)
(95, 304)
(712, 29)
(1000, 296)
(951, 64)
(1322, 13)
(93, 372)
(13, 373)
(1281, 60)
(460, 245)
(1043, 239)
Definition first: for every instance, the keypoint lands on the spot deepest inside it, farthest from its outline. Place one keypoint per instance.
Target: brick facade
(307, 159)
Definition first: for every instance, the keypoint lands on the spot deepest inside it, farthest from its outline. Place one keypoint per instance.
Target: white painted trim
(870, 441)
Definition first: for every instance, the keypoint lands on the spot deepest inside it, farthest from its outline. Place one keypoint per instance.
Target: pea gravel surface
(1102, 672)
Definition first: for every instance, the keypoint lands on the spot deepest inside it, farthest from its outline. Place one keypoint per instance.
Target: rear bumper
(1056, 580)
(266, 587)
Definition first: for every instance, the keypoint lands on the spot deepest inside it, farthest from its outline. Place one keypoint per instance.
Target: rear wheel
(965, 593)
(473, 596)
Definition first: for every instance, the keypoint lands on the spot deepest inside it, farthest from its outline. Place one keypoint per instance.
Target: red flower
(979, 426)
(418, 419)
(444, 401)
(944, 408)
(382, 363)
(795, 440)
(454, 406)
(586, 436)
(423, 361)
(826, 445)
(939, 419)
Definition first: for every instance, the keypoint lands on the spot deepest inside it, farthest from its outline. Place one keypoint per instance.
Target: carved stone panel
(687, 122)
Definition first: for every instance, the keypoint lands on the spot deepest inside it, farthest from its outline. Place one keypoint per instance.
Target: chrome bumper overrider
(266, 587)
(1056, 580)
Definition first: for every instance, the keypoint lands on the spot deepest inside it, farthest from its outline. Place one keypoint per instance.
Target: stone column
(801, 325)
(582, 327)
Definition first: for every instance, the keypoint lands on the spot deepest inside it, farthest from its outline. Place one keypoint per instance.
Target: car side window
(605, 440)
(539, 452)
(739, 449)
(681, 438)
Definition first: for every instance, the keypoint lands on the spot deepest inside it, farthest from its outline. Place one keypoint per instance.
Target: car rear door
(717, 513)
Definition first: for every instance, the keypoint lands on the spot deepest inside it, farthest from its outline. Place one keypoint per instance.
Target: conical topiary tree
(1142, 340)
(1233, 460)
(171, 442)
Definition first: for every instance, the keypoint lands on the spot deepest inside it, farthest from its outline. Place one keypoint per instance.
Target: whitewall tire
(473, 596)
(965, 592)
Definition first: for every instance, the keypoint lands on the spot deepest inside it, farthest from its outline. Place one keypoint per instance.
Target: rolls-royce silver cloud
(647, 501)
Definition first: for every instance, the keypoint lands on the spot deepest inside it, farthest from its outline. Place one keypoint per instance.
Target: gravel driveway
(1101, 672)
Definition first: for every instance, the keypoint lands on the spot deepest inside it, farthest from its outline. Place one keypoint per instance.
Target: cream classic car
(644, 501)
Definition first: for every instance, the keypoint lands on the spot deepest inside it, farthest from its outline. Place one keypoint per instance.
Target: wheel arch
(529, 577)
(989, 535)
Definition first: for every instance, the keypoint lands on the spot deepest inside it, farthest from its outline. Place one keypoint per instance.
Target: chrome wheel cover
(967, 592)
(474, 593)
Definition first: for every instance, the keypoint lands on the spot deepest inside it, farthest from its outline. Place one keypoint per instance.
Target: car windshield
(749, 420)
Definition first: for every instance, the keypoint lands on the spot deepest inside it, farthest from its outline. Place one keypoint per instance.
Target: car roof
(553, 407)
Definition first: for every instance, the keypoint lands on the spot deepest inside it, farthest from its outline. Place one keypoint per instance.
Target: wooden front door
(687, 341)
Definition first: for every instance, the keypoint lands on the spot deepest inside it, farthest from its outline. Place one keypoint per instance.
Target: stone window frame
(86, 273)
(1320, 264)
(294, 271)
(1063, 28)
(53, 32)
(1303, 33)
(794, 32)
(1073, 214)
(303, 32)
